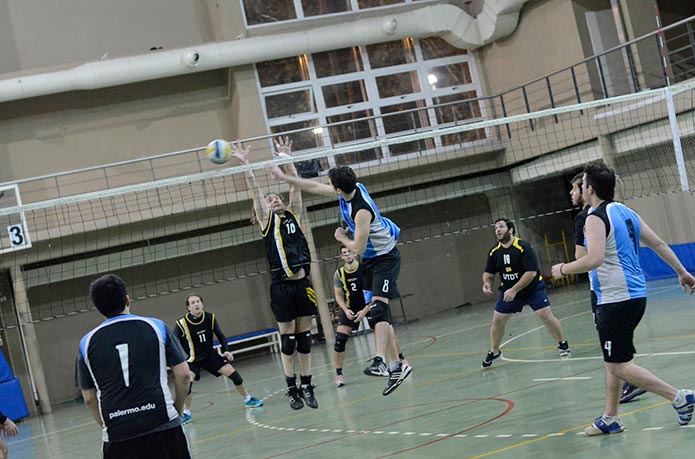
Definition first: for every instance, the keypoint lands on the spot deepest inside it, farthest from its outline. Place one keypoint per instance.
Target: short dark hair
(508, 222)
(601, 178)
(108, 294)
(193, 294)
(579, 177)
(343, 177)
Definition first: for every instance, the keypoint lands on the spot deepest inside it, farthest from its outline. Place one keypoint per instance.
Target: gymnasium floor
(531, 405)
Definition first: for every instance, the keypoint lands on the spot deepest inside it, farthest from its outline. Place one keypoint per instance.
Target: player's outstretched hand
(240, 152)
(687, 281)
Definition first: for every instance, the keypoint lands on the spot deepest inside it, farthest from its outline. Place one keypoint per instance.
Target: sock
(394, 366)
(401, 356)
(188, 412)
(609, 419)
(680, 398)
(339, 371)
(291, 381)
(380, 357)
(247, 398)
(305, 380)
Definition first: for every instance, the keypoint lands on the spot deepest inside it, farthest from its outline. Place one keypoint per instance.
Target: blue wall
(655, 268)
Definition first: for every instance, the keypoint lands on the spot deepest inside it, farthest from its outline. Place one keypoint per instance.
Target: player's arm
(310, 186)
(595, 230)
(579, 251)
(652, 240)
(283, 145)
(221, 338)
(340, 298)
(9, 427)
(487, 282)
(92, 404)
(358, 244)
(524, 281)
(261, 210)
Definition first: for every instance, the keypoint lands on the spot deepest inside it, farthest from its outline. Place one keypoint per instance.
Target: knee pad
(304, 342)
(287, 344)
(379, 312)
(340, 342)
(236, 378)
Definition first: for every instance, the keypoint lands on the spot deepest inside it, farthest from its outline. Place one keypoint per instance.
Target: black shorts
(166, 444)
(211, 363)
(292, 299)
(381, 274)
(616, 323)
(343, 319)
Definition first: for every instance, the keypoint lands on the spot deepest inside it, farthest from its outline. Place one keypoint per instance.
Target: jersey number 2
(123, 355)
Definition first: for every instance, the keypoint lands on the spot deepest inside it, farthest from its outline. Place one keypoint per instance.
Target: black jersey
(286, 246)
(579, 222)
(352, 283)
(196, 335)
(512, 263)
(125, 359)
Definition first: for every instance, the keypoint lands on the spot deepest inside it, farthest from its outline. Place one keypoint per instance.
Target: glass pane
(290, 103)
(347, 93)
(281, 71)
(463, 137)
(450, 75)
(263, 12)
(305, 140)
(391, 53)
(373, 3)
(338, 62)
(407, 123)
(358, 157)
(398, 84)
(356, 130)
(319, 7)
(457, 112)
(435, 47)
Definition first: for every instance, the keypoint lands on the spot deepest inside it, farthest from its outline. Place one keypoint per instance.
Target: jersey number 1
(123, 355)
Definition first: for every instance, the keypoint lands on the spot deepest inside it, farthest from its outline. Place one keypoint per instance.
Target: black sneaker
(295, 398)
(377, 368)
(564, 349)
(630, 392)
(491, 357)
(307, 394)
(396, 377)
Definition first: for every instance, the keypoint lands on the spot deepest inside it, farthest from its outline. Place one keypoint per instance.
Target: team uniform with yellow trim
(288, 252)
(512, 263)
(351, 282)
(196, 337)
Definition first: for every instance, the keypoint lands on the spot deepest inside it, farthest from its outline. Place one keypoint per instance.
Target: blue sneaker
(600, 427)
(685, 411)
(186, 418)
(630, 392)
(253, 402)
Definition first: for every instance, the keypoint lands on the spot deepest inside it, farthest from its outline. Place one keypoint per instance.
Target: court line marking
(569, 378)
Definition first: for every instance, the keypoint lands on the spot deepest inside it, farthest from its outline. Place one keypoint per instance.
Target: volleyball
(219, 151)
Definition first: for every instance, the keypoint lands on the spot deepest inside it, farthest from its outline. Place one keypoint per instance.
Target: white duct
(498, 19)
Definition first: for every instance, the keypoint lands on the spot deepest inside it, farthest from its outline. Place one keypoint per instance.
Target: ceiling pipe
(499, 18)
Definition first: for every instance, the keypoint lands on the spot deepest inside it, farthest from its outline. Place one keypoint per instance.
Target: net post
(678, 148)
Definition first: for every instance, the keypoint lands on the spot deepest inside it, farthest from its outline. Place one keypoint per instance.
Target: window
(435, 48)
(282, 71)
(319, 7)
(451, 75)
(290, 103)
(350, 132)
(338, 62)
(348, 93)
(457, 113)
(406, 122)
(309, 138)
(397, 84)
(391, 53)
(262, 12)
(374, 3)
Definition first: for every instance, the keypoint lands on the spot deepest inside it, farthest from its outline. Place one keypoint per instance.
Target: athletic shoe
(377, 368)
(564, 349)
(295, 398)
(253, 402)
(186, 418)
(339, 381)
(396, 377)
(599, 427)
(307, 394)
(490, 358)
(630, 392)
(685, 411)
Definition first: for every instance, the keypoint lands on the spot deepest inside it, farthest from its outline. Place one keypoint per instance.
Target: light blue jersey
(383, 233)
(620, 276)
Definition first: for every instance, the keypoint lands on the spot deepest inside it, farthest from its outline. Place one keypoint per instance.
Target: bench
(271, 337)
